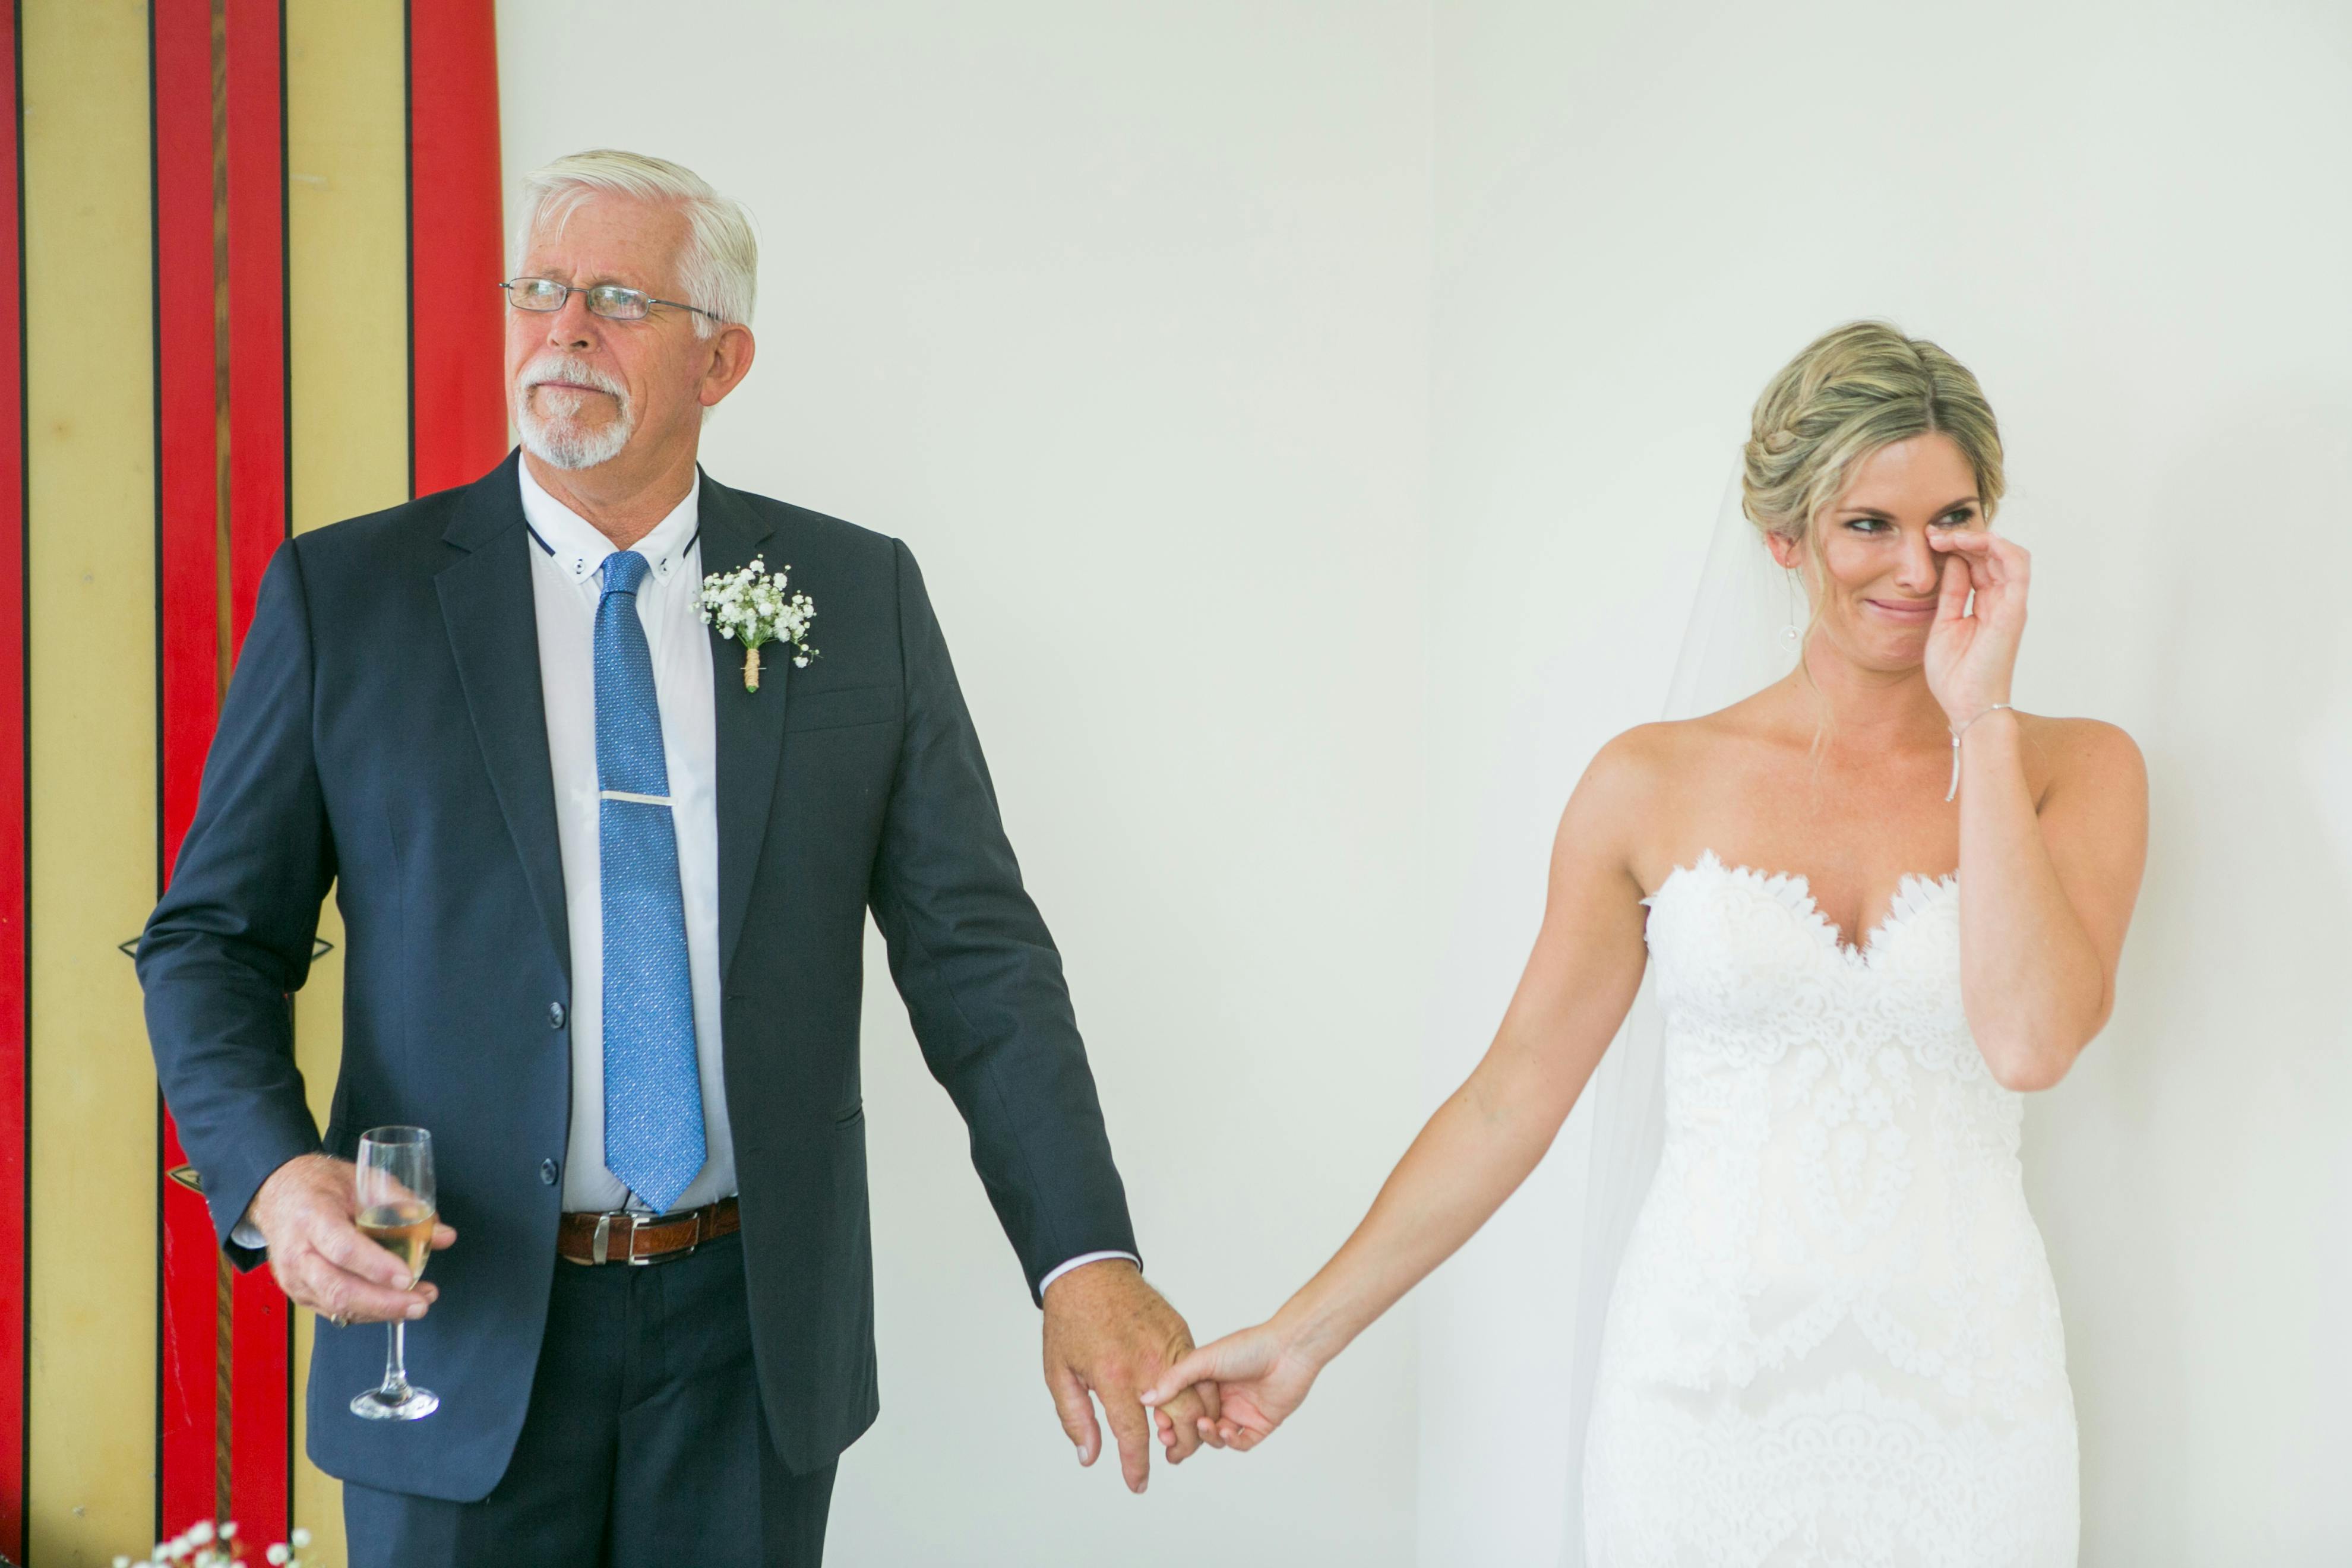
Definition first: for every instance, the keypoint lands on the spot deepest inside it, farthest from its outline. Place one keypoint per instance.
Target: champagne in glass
(403, 1229)
(396, 1212)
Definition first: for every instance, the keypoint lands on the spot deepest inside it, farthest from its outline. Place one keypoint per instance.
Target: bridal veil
(1741, 635)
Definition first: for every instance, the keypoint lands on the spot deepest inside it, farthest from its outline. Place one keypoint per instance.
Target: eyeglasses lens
(616, 303)
(536, 294)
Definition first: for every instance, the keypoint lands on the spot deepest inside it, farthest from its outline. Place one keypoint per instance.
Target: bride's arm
(1490, 1132)
(2047, 885)
(2046, 892)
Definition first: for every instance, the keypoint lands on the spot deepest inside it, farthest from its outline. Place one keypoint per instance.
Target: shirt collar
(579, 551)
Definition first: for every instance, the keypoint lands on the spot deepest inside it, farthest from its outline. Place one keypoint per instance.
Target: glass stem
(396, 1368)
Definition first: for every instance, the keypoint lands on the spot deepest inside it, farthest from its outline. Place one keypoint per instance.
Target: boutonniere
(752, 607)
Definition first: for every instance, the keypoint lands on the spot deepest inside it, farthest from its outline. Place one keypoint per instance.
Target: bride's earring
(1788, 635)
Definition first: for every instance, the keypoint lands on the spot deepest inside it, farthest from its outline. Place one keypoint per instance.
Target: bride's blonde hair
(1848, 393)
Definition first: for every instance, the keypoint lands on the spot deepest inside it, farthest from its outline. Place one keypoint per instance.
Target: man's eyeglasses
(610, 301)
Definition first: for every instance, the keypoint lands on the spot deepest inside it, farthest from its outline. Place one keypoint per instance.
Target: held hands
(1109, 1332)
(1260, 1374)
(305, 1211)
(1970, 657)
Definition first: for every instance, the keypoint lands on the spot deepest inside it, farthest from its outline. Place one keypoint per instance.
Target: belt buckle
(600, 1249)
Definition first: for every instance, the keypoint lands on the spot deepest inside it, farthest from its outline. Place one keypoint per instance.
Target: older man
(605, 899)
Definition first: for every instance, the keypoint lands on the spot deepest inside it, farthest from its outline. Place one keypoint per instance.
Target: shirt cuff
(245, 1233)
(1081, 1261)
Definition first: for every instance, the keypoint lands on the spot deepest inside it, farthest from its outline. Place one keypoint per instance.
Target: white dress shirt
(567, 559)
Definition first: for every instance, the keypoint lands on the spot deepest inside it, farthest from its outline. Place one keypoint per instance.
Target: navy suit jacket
(385, 735)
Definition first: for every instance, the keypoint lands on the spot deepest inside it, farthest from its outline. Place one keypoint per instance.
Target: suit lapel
(751, 723)
(486, 603)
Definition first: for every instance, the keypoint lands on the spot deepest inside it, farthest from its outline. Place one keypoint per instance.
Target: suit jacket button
(547, 1172)
(555, 1015)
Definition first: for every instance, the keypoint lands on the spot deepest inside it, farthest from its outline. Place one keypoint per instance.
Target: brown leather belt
(620, 1236)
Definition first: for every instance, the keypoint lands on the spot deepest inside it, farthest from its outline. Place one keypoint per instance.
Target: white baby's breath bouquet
(754, 606)
(203, 1546)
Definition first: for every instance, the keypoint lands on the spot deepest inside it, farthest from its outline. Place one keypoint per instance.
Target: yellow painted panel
(348, 334)
(346, 130)
(90, 427)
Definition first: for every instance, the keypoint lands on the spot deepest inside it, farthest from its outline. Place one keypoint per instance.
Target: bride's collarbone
(1850, 829)
(1852, 872)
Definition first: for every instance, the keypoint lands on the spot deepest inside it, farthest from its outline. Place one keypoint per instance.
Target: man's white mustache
(578, 375)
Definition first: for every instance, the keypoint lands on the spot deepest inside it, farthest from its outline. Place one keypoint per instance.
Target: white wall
(2131, 221)
(1117, 315)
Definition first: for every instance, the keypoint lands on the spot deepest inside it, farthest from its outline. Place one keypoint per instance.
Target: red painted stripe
(184, 399)
(456, 354)
(261, 1430)
(257, 286)
(188, 558)
(12, 809)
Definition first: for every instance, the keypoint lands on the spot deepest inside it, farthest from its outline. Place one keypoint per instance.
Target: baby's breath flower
(752, 607)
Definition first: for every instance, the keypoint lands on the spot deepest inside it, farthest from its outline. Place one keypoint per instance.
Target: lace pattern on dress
(1834, 1338)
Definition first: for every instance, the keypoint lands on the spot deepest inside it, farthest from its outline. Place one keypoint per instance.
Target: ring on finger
(339, 1320)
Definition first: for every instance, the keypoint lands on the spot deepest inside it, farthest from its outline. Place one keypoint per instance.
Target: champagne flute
(396, 1212)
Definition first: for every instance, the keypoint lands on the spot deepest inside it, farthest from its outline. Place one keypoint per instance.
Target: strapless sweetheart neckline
(1913, 889)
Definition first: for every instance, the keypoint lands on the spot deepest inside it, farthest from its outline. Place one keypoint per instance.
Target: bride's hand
(1260, 1378)
(1971, 655)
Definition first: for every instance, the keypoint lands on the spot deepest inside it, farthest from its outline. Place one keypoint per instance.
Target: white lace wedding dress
(1834, 1338)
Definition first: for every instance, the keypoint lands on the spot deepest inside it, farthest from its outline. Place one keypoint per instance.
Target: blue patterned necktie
(653, 1088)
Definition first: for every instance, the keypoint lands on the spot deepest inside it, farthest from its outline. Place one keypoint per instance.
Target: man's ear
(730, 353)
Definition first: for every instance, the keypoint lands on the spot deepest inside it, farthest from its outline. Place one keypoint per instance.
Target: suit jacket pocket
(842, 706)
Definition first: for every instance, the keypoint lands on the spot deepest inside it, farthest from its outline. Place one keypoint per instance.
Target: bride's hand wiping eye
(1972, 652)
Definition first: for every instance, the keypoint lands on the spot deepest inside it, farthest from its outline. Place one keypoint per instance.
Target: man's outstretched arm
(983, 986)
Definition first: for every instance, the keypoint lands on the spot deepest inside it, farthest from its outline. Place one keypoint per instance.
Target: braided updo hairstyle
(1850, 391)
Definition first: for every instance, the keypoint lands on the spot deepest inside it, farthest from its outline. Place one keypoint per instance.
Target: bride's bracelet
(1971, 719)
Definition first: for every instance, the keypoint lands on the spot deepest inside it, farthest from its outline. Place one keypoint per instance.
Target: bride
(1833, 1337)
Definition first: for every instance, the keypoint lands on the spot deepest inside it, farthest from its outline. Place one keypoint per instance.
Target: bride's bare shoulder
(1634, 786)
(1652, 757)
(1647, 754)
(2084, 756)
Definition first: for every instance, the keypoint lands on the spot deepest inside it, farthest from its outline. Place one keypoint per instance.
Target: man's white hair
(718, 269)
